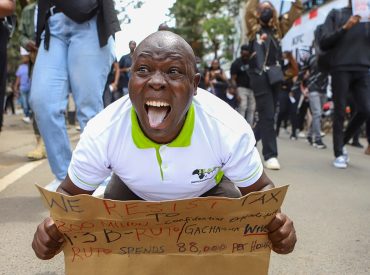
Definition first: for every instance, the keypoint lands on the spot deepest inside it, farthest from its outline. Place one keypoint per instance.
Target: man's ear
(196, 82)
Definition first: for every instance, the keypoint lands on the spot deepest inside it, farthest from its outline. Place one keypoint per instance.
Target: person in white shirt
(166, 141)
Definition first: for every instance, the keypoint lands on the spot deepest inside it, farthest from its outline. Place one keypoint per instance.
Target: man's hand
(31, 46)
(47, 241)
(282, 234)
(352, 21)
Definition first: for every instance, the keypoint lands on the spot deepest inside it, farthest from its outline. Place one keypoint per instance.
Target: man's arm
(332, 32)
(281, 229)
(67, 187)
(26, 38)
(7, 7)
(233, 79)
(116, 75)
(16, 84)
(262, 184)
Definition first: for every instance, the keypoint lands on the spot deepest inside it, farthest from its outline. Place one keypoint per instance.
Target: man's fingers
(283, 231)
(282, 234)
(52, 231)
(287, 245)
(42, 251)
(47, 240)
(276, 222)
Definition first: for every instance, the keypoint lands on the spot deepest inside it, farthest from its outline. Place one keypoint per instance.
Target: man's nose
(157, 81)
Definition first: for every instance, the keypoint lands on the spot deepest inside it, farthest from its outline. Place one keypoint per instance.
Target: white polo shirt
(214, 141)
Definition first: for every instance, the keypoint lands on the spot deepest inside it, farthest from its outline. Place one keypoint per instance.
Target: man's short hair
(244, 47)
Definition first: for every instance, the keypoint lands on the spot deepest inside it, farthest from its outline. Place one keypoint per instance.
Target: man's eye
(174, 71)
(143, 69)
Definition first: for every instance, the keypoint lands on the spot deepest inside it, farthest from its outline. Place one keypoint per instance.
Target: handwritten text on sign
(222, 232)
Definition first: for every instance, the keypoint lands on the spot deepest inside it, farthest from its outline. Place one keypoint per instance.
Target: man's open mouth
(157, 112)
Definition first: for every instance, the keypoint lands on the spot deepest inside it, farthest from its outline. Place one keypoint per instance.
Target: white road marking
(18, 173)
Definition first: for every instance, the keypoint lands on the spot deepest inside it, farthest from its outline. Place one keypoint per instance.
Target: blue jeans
(24, 99)
(73, 62)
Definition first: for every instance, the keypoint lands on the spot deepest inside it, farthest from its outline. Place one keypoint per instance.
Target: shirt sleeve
(19, 71)
(234, 69)
(89, 166)
(244, 166)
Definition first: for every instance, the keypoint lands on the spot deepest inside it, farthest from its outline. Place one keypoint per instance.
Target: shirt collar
(182, 140)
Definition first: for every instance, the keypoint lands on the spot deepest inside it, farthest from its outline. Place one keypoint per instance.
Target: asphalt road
(330, 207)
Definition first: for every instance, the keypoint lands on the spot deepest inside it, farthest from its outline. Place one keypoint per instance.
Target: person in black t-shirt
(239, 77)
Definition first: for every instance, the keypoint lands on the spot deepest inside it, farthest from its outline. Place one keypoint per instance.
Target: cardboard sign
(193, 236)
(361, 8)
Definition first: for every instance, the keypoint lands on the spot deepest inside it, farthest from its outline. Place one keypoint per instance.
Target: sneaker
(301, 134)
(319, 144)
(309, 140)
(322, 134)
(53, 186)
(340, 162)
(26, 119)
(272, 164)
(356, 144)
(345, 154)
(293, 138)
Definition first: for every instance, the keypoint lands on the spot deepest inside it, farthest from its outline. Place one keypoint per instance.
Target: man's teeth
(157, 104)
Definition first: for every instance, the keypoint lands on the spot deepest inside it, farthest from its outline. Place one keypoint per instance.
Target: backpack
(78, 10)
(324, 58)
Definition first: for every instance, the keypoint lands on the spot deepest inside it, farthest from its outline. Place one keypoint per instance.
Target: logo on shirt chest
(201, 175)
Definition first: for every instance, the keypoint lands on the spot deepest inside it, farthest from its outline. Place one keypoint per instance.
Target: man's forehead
(161, 53)
(165, 43)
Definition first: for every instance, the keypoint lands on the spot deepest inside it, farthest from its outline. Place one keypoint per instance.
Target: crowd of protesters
(272, 90)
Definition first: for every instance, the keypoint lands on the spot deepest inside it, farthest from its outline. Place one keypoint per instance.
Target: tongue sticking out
(157, 115)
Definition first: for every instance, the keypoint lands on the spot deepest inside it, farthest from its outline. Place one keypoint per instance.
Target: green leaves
(207, 25)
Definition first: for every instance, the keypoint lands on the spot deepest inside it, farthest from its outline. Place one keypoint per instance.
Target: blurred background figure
(22, 86)
(216, 79)
(125, 68)
(27, 41)
(347, 40)
(239, 77)
(76, 52)
(231, 97)
(164, 27)
(7, 8)
(286, 98)
(265, 31)
(112, 90)
(316, 86)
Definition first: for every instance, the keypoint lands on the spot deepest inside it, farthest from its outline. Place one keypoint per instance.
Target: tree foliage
(207, 25)
(122, 5)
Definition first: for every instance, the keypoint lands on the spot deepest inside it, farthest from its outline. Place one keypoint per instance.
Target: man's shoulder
(30, 8)
(215, 111)
(237, 61)
(114, 116)
(124, 57)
